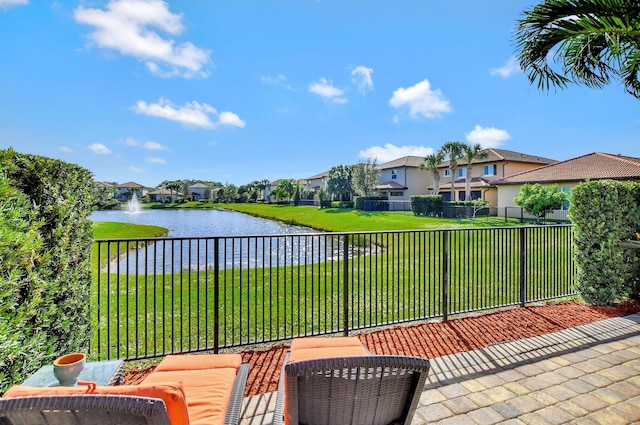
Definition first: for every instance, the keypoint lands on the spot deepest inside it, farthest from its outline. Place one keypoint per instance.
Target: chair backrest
(376, 390)
(83, 409)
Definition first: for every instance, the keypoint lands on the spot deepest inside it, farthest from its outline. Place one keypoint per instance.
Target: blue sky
(235, 91)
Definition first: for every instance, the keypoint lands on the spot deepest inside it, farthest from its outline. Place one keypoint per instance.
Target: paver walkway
(589, 374)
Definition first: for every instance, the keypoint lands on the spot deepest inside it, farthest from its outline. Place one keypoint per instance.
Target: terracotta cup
(67, 368)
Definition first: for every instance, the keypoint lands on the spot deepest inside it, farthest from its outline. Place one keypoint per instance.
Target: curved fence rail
(152, 297)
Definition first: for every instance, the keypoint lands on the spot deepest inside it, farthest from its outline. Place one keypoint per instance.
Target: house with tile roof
(498, 164)
(125, 191)
(402, 178)
(567, 174)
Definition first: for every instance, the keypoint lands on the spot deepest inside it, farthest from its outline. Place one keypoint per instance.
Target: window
(566, 190)
(394, 174)
(490, 170)
(447, 172)
(462, 172)
(397, 193)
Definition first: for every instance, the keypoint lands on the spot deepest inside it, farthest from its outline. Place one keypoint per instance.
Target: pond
(244, 241)
(202, 223)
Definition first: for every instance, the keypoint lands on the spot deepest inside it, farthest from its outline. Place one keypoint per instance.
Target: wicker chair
(86, 409)
(99, 409)
(376, 390)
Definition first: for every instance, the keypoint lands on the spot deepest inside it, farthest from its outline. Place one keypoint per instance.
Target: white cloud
(277, 81)
(135, 169)
(65, 149)
(152, 146)
(155, 146)
(421, 101)
(6, 4)
(156, 160)
(325, 89)
(100, 149)
(488, 137)
(362, 77)
(192, 114)
(509, 68)
(127, 26)
(389, 152)
(229, 118)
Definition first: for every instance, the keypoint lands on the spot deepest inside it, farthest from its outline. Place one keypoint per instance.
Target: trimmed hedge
(604, 213)
(360, 200)
(427, 205)
(46, 279)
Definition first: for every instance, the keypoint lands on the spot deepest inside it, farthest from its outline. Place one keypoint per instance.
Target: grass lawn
(158, 313)
(349, 220)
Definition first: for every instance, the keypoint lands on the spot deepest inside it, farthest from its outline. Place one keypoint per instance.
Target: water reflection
(207, 237)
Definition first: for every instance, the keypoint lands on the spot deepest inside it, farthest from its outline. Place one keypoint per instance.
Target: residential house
(164, 195)
(498, 164)
(199, 191)
(402, 178)
(317, 182)
(125, 191)
(567, 174)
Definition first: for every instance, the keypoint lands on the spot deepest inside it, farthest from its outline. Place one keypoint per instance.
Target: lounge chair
(351, 389)
(198, 389)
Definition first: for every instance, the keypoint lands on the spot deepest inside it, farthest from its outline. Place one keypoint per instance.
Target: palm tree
(454, 151)
(592, 41)
(471, 153)
(431, 163)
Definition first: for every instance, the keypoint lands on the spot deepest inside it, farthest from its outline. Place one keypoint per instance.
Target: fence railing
(153, 297)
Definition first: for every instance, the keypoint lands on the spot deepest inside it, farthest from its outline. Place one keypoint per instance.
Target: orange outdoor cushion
(207, 391)
(198, 362)
(316, 342)
(173, 395)
(318, 353)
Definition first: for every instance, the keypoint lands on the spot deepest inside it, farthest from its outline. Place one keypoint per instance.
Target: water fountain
(133, 205)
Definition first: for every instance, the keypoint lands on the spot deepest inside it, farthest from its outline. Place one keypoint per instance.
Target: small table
(106, 372)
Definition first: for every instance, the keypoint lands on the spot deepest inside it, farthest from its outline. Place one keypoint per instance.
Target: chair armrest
(278, 414)
(234, 410)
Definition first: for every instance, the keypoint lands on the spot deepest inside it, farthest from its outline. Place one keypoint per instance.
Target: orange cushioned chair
(182, 390)
(335, 381)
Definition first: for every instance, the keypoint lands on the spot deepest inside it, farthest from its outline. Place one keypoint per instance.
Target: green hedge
(341, 204)
(427, 205)
(604, 213)
(360, 200)
(46, 279)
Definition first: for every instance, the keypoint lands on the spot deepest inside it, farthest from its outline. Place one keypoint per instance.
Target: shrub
(604, 213)
(360, 200)
(49, 287)
(342, 204)
(540, 200)
(427, 205)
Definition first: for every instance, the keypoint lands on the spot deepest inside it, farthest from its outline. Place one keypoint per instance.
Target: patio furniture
(183, 389)
(105, 372)
(348, 389)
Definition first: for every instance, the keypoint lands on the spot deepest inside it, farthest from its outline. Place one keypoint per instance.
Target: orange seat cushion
(199, 361)
(316, 342)
(173, 395)
(316, 348)
(207, 380)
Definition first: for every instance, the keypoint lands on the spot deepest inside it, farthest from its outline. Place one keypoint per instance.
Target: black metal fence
(152, 297)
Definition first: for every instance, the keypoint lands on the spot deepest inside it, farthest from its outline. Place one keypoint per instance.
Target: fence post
(445, 275)
(216, 295)
(523, 264)
(345, 286)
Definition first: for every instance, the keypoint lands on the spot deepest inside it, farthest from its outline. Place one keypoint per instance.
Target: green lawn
(400, 282)
(349, 220)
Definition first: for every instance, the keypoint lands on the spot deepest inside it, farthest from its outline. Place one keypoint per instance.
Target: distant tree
(539, 200)
(431, 163)
(173, 186)
(229, 192)
(365, 176)
(592, 41)
(471, 153)
(339, 182)
(286, 188)
(454, 151)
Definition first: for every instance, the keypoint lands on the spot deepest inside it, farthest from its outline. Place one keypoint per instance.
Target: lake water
(242, 245)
